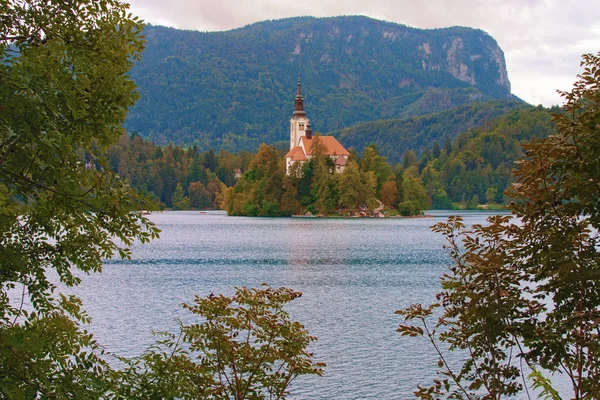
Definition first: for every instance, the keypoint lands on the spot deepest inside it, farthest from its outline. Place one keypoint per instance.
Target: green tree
(436, 152)
(413, 191)
(350, 185)
(243, 347)
(447, 146)
(473, 203)
(441, 201)
(323, 185)
(490, 194)
(409, 208)
(409, 158)
(530, 286)
(63, 99)
(197, 173)
(258, 192)
(372, 161)
(431, 179)
(289, 200)
(64, 94)
(200, 198)
(356, 188)
(179, 200)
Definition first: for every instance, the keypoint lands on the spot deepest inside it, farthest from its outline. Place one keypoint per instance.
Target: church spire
(299, 102)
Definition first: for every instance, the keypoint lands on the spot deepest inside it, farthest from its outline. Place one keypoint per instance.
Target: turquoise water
(354, 273)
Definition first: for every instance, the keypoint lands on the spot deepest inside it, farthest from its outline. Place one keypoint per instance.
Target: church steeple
(299, 102)
(299, 121)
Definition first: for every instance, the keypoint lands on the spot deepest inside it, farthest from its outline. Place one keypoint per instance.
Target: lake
(354, 274)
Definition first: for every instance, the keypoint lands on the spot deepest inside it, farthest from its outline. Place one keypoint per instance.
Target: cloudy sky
(542, 39)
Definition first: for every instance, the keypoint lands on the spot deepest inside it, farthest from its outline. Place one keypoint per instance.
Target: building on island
(301, 140)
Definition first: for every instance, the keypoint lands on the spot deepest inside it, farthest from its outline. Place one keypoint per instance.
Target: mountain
(482, 158)
(235, 89)
(394, 136)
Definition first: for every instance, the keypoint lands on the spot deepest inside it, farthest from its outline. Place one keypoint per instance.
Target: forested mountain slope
(235, 89)
(481, 159)
(394, 137)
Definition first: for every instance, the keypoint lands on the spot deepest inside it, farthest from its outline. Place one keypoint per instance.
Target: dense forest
(176, 177)
(473, 169)
(393, 137)
(477, 167)
(234, 89)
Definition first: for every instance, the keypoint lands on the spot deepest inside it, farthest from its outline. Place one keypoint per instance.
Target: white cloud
(542, 39)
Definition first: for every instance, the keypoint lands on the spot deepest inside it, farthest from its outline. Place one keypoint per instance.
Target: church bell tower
(299, 121)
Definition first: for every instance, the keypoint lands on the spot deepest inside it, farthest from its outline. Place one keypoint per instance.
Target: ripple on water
(353, 274)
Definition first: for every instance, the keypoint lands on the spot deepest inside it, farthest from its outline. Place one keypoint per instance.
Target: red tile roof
(341, 161)
(331, 144)
(297, 154)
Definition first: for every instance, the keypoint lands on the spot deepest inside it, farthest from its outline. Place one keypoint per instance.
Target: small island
(320, 177)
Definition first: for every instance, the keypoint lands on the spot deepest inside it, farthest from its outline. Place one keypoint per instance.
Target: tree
(490, 194)
(350, 185)
(243, 347)
(479, 298)
(556, 195)
(215, 187)
(447, 146)
(289, 199)
(473, 202)
(63, 99)
(179, 200)
(389, 193)
(441, 201)
(197, 173)
(356, 188)
(258, 192)
(200, 198)
(409, 158)
(323, 187)
(413, 191)
(530, 283)
(436, 151)
(372, 161)
(64, 96)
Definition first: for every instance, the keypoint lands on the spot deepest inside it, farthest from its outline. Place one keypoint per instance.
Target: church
(301, 140)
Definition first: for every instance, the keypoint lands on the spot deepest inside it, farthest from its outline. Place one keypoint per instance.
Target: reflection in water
(308, 242)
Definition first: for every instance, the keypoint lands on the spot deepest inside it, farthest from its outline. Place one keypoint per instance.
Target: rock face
(235, 89)
(462, 63)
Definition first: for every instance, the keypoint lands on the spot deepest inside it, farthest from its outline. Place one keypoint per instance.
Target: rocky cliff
(235, 89)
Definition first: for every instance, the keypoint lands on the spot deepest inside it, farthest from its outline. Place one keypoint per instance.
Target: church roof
(331, 144)
(341, 161)
(296, 154)
(299, 102)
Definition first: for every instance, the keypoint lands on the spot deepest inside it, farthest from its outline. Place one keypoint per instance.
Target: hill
(481, 159)
(394, 137)
(235, 89)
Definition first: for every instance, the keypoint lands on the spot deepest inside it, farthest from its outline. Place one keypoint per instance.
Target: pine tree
(179, 200)
(448, 146)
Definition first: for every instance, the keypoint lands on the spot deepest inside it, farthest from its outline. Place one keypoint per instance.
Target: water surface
(354, 273)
